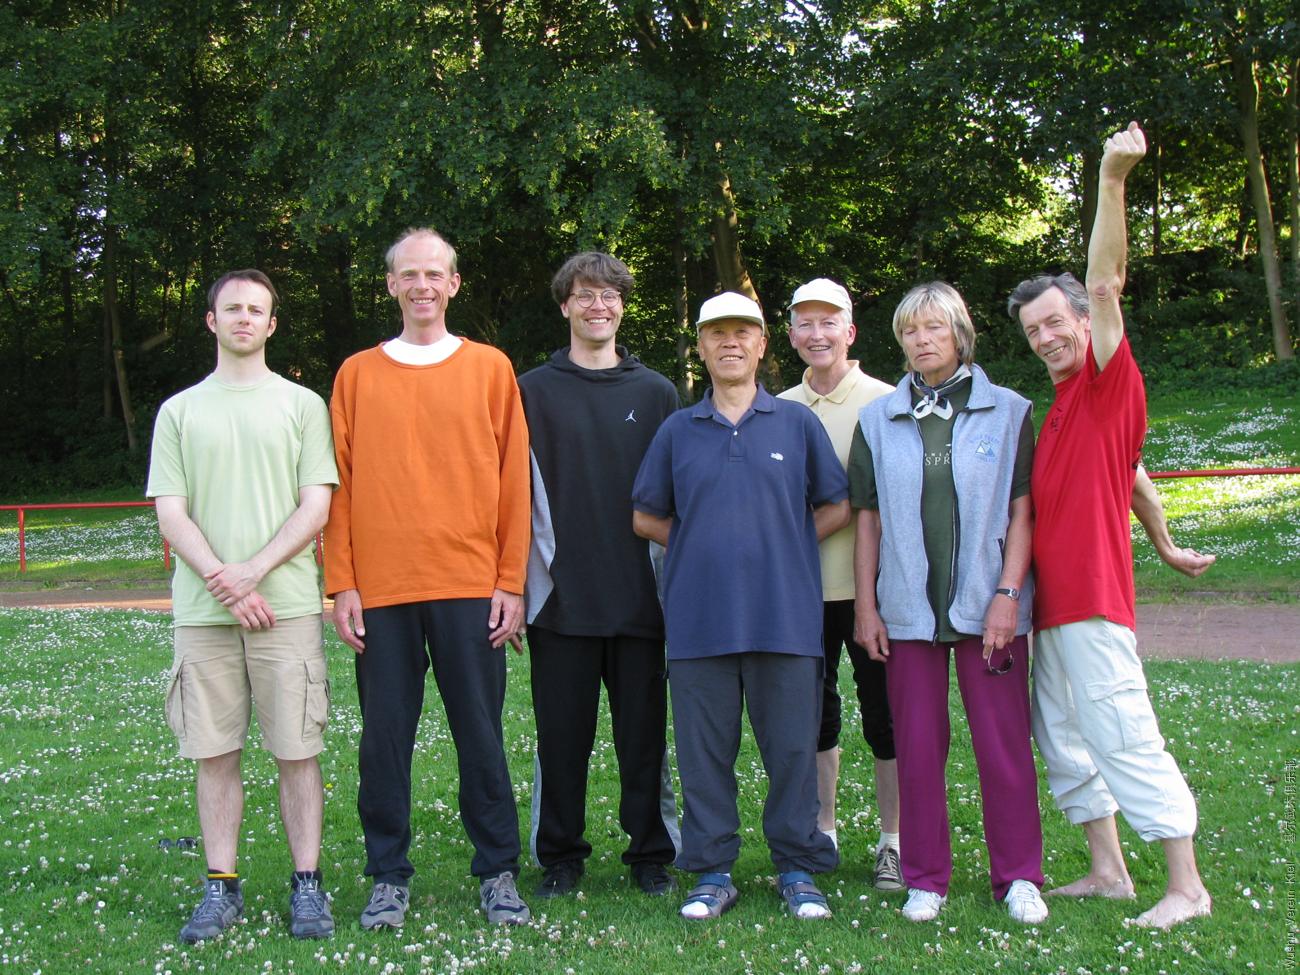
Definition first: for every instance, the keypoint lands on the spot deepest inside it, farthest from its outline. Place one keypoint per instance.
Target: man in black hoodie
(592, 604)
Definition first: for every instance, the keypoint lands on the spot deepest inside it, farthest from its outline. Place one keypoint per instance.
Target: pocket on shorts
(317, 709)
(175, 707)
(1125, 719)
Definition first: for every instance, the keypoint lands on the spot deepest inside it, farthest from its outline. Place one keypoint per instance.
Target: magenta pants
(997, 709)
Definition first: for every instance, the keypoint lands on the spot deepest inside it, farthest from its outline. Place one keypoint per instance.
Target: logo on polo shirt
(630, 418)
(775, 456)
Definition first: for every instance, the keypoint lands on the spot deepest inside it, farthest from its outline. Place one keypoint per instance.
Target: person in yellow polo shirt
(835, 388)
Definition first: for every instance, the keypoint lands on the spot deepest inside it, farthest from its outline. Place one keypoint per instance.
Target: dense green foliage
(91, 773)
(148, 145)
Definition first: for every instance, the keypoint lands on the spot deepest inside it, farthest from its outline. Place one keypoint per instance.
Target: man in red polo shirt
(1093, 720)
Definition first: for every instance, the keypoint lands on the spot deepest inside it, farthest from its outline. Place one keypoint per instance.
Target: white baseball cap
(730, 304)
(824, 290)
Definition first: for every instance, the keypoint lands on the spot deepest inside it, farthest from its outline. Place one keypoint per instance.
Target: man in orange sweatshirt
(427, 543)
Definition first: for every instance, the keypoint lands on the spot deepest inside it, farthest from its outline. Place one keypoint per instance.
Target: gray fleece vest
(985, 436)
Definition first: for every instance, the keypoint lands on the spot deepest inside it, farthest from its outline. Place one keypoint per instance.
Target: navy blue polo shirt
(742, 572)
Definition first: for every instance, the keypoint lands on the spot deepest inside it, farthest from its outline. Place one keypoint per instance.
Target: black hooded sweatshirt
(588, 574)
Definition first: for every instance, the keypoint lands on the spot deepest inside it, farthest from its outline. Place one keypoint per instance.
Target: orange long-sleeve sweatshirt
(433, 497)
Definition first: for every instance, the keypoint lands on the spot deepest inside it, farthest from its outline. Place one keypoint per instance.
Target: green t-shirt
(239, 454)
(938, 496)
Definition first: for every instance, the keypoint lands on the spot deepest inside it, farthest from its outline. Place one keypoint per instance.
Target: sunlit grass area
(89, 544)
(1252, 523)
(91, 783)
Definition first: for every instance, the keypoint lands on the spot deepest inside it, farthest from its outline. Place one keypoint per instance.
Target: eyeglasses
(183, 843)
(1002, 668)
(587, 298)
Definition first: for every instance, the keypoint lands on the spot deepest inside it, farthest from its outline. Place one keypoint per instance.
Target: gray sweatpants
(783, 694)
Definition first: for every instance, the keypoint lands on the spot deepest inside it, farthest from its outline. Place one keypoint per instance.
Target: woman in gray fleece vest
(939, 475)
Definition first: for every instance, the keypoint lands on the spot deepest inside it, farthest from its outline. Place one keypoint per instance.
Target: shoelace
(209, 908)
(310, 899)
(1019, 895)
(503, 891)
(386, 896)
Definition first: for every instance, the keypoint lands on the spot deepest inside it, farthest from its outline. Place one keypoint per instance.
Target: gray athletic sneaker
(216, 912)
(500, 900)
(309, 911)
(387, 907)
(889, 871)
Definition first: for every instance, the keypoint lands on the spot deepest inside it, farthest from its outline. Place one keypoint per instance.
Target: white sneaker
(924, 905)
(1025, 904)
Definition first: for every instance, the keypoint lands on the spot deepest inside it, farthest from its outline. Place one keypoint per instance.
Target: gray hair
(1033, 288)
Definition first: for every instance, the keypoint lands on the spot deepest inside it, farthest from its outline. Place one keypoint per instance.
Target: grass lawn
(1251, 523)
(83, 545)
(91, 782)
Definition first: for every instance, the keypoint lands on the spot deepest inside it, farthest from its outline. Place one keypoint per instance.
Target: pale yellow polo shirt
(838, 412)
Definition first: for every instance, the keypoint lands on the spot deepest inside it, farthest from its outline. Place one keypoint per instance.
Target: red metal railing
(22, 510)
(1224, 472)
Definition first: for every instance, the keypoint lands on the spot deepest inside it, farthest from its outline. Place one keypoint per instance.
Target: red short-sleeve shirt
(1084, 465)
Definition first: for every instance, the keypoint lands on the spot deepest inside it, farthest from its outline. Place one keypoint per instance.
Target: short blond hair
(942, 300)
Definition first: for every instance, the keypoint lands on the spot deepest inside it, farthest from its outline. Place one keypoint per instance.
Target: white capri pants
(1097, 733)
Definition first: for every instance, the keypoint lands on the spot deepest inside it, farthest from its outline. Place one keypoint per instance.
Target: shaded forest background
(148, 145)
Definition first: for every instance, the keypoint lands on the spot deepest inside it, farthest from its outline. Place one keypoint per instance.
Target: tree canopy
(148, 145)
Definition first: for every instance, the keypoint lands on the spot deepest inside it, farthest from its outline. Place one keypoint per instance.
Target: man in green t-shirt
(241, 471)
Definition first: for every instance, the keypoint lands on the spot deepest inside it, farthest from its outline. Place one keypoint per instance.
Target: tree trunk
(726, 243)
(682, 317)
(1241, 243)
(1293, 175)
(113, 333)
(106, 371)
(337, 303)
(165, 331)
(20, 333)
(1246, 88)
(1088, 189)
(69, 317)
(1157, 158)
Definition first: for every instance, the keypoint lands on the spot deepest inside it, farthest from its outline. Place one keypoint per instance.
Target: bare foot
(1174, 908)
(1093, 886)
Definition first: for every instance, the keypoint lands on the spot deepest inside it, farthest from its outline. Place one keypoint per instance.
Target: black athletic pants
(401, 644)
(567, 672)
(868, 678)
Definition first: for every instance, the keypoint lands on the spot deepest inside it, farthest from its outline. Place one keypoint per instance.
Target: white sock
(695, 908)
(812, 911)
(887, 839)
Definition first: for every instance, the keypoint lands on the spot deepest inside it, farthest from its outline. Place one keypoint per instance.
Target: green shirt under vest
(938, 496)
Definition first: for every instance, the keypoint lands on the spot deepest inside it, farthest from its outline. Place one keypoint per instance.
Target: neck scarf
(934, 399)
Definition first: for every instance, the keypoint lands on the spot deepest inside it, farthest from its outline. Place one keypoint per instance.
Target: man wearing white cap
(835, 388)
(740, 488)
